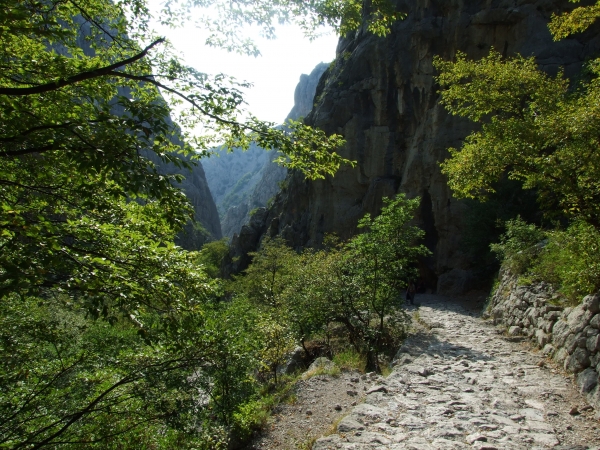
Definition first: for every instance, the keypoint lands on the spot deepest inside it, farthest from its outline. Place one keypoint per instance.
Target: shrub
(350, 360)
(519, 245)
(571, 261)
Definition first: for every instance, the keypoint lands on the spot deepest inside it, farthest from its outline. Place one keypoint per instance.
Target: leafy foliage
(570, 261)
(519, 245)
(345, 16)
(211, 257)
(356, 285)
(110, 334)
(567, 259)
(534, 127)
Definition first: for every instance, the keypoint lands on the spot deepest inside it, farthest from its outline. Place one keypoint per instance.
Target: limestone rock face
(205, 211)
(195, 187)
(380, 94)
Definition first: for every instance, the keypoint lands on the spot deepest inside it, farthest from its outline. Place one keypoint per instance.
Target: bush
(571, 261)
(249, 417)
(519, 245)
(567, 259)
(350, 360)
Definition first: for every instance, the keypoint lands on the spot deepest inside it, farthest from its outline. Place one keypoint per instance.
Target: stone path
(462, 384)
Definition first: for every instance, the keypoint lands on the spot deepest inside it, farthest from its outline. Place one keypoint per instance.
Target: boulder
(542, 338)
(560, 331)
(593, 343)
(578, 319)
(579, 360)
(294, 361)
(321, 363)
(587, 380)
(591, 303)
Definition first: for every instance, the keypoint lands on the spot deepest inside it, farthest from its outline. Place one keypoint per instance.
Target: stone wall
(568, 335)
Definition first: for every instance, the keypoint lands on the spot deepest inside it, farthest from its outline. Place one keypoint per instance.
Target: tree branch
(151, 80)
(88, 75)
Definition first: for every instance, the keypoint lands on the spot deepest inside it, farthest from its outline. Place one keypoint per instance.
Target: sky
(274, 74)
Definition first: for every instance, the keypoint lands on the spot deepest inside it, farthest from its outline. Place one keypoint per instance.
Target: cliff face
(381, 96)
(196, 190)
(244, 181)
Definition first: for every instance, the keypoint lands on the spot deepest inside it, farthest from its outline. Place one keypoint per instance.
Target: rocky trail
(459, 383)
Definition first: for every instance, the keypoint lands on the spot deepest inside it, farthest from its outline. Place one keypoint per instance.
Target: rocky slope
(380, 94)
(243, 181)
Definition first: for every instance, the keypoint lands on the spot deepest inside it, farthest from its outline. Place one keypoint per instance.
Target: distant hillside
(243, 181)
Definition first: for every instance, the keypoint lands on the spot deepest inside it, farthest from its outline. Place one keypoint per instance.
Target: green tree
(211, 257)
(109, 331)
(359, 284)
(383, 260)
(266, 279)
(534, 127)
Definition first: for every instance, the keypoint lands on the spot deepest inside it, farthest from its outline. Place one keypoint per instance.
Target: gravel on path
(460, 383)
(318, 403)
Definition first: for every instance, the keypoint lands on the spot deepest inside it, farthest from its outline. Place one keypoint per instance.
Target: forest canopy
(111, 335)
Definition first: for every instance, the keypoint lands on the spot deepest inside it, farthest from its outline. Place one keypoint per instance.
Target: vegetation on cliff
(541, 130)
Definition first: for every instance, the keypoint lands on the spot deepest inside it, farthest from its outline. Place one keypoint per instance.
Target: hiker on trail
(410, 293)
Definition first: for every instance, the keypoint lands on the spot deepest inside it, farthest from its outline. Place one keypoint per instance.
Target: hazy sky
(274, 73)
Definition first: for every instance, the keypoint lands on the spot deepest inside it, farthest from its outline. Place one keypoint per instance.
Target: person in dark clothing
(410, 293)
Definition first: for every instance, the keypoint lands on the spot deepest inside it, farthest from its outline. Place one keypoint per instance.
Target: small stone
(337, 407)
(542, 363)
(355, 380)
(476, 437)
(309, 412)
(377, 389)
(573, 411)
(353, 404)
(349, 424)
(351, 393)
(514, 331)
